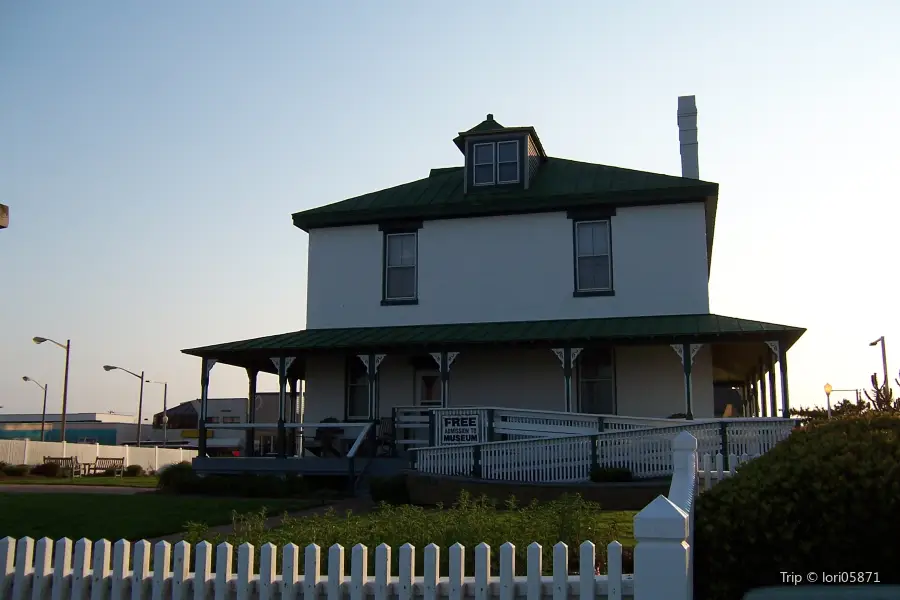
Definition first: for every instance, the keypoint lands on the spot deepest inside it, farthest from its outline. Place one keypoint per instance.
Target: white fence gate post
(155, 458)
(65, 455)
(126, 456)
(98, 452)
(662, 554)
(25, 452)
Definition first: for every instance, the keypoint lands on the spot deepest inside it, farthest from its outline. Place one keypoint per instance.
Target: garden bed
(569, 519)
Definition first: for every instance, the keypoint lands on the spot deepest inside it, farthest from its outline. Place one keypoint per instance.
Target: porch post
(292, 440)
(772, 357)
(444, 359)
(756, 401)
(567, 356)
(687, 352)
(780, 349)
(250, 434)
(208, 364)
(773, 403)
(763, 395)
(281, 363)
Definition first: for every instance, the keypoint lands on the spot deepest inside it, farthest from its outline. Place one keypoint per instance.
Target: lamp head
(828, 389)
(875, 343)
(38, 340)
(109, 368)
(26, 378)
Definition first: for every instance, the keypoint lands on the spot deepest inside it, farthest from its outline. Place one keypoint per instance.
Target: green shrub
(570, 519)
(16, 470)
(181, 479)
(134, 471)
(47, 470)
(390, 490)
(610, 474)
(178, 478)
(826, 499)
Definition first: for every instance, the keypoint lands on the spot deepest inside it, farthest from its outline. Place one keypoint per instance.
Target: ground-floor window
(596, 382)
(357, 390)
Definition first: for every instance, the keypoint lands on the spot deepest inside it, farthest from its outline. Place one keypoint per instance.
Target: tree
(843, 409)
(882, 397)
(879, 400)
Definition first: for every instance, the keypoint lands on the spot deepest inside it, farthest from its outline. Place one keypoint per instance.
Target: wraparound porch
(702, 350)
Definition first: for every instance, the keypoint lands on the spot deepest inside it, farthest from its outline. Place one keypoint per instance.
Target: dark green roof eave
(493, 204)
(614, 329)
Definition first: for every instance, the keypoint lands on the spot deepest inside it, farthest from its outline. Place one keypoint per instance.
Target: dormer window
(484, 163)
(495, 162)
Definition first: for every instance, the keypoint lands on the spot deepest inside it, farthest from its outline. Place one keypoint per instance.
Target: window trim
(399, 301)
(498, 162)
(578, 291)
(613, 379)
(476, 164)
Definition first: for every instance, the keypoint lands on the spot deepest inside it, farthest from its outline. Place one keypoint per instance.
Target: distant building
(184, 423)
(90, 428)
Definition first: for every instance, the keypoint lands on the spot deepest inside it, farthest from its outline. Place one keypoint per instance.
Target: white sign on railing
(459, 429)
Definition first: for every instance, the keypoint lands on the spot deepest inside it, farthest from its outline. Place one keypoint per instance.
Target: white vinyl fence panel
(28, 452)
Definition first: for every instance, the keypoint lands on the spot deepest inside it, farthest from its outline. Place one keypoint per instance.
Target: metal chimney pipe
(687, 136)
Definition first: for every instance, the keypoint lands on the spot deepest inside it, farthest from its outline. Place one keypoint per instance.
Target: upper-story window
(495, 162)
(400, 265)
(593, 264)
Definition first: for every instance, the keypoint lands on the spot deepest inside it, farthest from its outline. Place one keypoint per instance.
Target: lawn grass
(114, 517)
(147, 481)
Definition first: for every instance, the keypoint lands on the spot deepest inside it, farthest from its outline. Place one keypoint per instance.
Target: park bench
(102, 465)
(69, 465)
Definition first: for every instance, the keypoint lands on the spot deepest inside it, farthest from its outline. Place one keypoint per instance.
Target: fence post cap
(662, 519)
(684, 441)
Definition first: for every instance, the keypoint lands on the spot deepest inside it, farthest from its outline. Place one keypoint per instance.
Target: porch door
(428, 389)
(596, 382)
(426, 395)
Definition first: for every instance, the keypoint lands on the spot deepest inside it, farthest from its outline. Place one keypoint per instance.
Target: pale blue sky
(152, 154)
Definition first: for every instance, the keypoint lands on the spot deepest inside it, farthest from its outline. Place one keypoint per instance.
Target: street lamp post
(44, 410)
(165, 417)
(828, 390)
(883, 361)
(140, 398)
(65, 398)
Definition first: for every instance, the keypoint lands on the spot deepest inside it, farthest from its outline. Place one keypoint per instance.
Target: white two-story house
(523, 280)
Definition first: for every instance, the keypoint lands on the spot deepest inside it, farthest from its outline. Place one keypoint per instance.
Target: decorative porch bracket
(282, 364)
(444, 359)
(372, 362)
(250, 434)
(780, 352)
(207, 365)
(567, 356)
(687, 352)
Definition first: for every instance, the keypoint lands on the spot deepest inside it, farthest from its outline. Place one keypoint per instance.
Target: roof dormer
(499, 157)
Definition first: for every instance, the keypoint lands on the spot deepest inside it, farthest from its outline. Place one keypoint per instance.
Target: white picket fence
(663, 568)
(29, 452)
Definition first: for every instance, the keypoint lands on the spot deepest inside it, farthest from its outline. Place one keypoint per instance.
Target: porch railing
(422, 426)
(646, 453)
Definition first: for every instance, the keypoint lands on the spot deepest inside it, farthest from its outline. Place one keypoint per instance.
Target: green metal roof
(560, 184)
(671, 327)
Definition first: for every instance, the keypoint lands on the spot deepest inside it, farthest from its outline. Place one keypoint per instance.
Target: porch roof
(695, 328)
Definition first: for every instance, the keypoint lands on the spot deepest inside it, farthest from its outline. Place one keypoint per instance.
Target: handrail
(359, 439)
(606, 434)
(286, 425)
